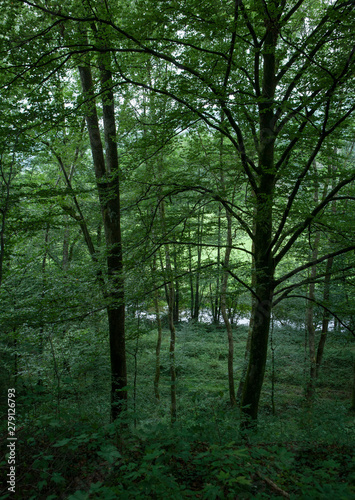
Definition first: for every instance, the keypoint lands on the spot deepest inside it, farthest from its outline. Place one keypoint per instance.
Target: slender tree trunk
(107, 179)
(251, 323)
(326, 296)
(171, 302)
(310, 323)
(65, 253)
(325, 321)
(177, 294)
(200, 220)
(4, 212)
(170, 296)
(44, 289)
(191, 285)
(173, 408)
(310, 305)
(159, 339)
(224, 285)
(217, 307)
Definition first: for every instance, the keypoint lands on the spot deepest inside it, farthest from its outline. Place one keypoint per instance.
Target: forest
(177, 249)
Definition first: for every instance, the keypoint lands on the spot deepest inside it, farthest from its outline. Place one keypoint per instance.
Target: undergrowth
(67, 449)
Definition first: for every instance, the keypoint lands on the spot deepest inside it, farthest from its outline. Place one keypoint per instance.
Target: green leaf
(63, 442)
(42, 484)
(109, 453)
(57, 478)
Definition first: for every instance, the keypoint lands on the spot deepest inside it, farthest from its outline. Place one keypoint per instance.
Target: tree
(107, 178)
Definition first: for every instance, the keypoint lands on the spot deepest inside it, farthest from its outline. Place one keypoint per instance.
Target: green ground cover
(67, 448)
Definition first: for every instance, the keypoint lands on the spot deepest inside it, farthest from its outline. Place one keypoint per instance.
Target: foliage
(304, 450)
(231, 130)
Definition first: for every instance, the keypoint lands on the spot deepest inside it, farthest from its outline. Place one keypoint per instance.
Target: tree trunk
(4, 212)
(325, 321)
(310, 305)
(173, 408)
(251, 323)
(224, 284)
(107, 179)
(197, 303)
(176, 311)
(191, 285)
(326, 296)
(159, 339)
(264, 262)
(310, 323)
(171, 302)
(65, 253)
(264, 279)
(217, 301)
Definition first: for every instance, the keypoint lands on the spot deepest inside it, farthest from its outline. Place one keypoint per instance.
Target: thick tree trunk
(264, 278)
(264, 262)
(107, 179)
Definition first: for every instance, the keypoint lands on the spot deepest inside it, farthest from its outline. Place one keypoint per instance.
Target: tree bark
(251, 322)
(325, 321)
(4, 212)
(227, 323)
(107, 180)
(159, 339)
(264, 286)
(264, 262)
(326, 296)
(310, 323)
(197, 303)
(176, 314)
(171, 302)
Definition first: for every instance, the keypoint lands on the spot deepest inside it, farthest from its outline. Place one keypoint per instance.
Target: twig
(273, 485)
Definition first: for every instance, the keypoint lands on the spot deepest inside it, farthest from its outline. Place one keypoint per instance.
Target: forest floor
(67, 449)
